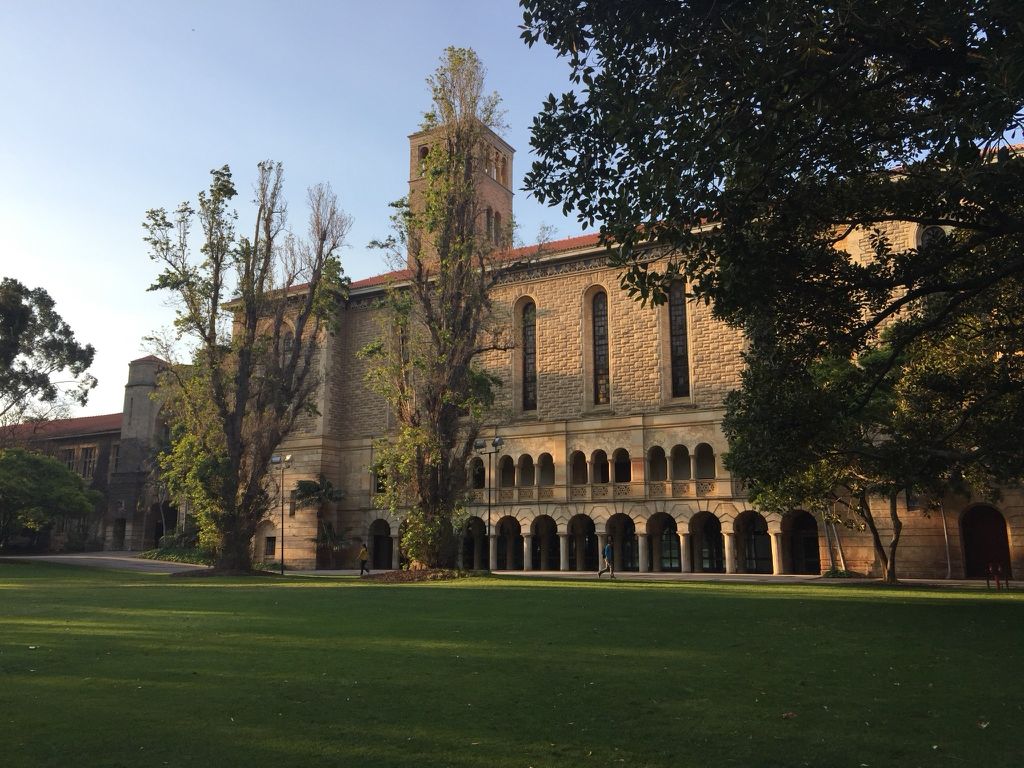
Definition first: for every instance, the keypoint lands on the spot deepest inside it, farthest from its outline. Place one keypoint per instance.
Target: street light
(478, 445)
(284, 461)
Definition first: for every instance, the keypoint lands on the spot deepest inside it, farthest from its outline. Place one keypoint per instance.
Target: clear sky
(110, 108)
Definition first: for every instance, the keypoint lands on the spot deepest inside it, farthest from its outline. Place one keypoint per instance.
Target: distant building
(113, 453)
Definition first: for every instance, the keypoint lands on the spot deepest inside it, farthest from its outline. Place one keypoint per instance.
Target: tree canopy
(43, 367)
(840, 181)
(255, 311)
(37, 491)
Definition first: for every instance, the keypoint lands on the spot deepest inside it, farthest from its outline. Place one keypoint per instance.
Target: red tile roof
(83, 425)
(547, 249)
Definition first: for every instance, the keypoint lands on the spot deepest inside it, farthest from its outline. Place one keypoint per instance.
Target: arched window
(287, 343)
(657, 466)
(506, 472)
(504, 170)
(477, 473)
(578, 468)
(623, 466)
(545, 469)
(423, 159)
(489, 216)
(497, 228)
(602, 382)
(677, 339)
(527, 470)
(599, 466)
(530, 357)
(680, 463)
(705, 461)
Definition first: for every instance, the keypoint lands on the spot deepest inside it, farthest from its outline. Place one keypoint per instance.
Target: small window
(88, 462)
(115, 456)
(678, 340)
(931, 235)
(66, 456)
(380, 481)
(497, 228)
(423, 150)
(530, 357)
(602, 382)
(292, 502)
(270, 546)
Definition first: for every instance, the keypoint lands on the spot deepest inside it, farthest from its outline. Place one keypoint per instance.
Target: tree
(788, 154)
(43, 367)
(256, 310)
(436, 325)
(37, 491)
(321, 494)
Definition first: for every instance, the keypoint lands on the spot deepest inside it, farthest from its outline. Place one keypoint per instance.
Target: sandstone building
(610, 418)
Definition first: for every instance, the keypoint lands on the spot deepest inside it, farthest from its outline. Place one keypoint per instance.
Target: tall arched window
(602, 383)
(497, 229)
(530, 357)
(677, 339)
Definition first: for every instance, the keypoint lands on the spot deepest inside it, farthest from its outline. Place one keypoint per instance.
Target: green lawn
(114, 669)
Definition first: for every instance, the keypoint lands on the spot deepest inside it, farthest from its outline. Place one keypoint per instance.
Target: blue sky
(111, 108)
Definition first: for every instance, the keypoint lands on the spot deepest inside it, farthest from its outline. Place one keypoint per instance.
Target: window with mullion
(530, 357)
(677, 340)
(602, 383)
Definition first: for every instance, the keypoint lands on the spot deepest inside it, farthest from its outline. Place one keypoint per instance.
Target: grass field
(102, 668)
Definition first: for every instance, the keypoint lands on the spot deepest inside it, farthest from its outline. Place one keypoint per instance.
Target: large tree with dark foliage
(759, 140)
(43, 367)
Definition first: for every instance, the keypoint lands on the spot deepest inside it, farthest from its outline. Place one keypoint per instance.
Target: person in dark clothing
(608, 567)
(364, 556)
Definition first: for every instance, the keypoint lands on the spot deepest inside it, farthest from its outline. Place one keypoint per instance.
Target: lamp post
(283, 461)
(478, 445)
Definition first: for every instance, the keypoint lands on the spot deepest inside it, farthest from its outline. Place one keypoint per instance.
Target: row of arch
(678, 464)
(700, 545)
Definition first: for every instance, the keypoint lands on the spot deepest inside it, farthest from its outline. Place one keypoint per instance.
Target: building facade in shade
(114, 454)
(610, 416)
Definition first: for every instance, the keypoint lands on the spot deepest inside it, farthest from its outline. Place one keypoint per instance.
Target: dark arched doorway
(753, 544)
(474, 545)
(708, 546)
(985, 541)
(380, 545)
(800, 553)
(663, 540)
(544, 544)
(622, 532)
(582, 544)
(510, 545)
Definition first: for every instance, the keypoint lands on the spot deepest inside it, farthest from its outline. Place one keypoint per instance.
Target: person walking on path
(364, 555)
(608, 567)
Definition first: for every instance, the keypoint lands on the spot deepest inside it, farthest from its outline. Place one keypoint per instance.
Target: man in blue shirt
(608, 567)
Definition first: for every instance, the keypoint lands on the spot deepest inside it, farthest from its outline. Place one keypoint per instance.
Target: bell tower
(492, 169)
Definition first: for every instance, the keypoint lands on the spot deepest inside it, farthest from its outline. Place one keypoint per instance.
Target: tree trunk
(897, 528)
(235, 554)
(864, 511)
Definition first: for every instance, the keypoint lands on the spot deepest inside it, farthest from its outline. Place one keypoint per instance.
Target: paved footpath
(122, 561)
(129, 561)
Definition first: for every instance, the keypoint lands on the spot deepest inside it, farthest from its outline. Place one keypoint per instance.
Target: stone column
(492, 551)
(777, 568)
(641, 545)
(527, 552)
(684, 552)
(395, 551)
(730, 555)
(563, 551)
